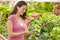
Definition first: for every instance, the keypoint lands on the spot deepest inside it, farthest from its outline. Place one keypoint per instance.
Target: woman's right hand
(27, 32)
(30, 32)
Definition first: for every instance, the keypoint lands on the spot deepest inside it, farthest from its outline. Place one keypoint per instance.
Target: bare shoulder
(9, 22)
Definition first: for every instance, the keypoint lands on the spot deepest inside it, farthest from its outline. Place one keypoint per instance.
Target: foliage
(4, 10)
(39, 7)
(47, 27)
(49, 24)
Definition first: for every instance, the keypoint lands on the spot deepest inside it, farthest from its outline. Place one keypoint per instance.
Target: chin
(21, 13)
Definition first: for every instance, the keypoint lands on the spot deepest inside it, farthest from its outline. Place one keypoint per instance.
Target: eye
(23, 9)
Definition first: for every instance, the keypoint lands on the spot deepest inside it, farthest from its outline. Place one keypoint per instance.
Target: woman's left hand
(33, 16)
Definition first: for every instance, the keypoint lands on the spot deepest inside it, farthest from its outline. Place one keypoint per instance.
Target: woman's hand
(36, 15)
(27, 33)
(33, 16)
(30, 32)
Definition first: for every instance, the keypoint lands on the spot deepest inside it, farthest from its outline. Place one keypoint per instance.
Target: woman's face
(21, 9)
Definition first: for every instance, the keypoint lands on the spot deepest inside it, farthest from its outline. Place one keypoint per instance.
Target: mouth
(22, 13)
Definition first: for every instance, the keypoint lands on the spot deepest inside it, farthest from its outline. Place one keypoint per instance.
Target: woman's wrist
(24, 32)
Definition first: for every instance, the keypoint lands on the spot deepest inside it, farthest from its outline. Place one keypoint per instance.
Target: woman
(17, 22)
(16, 25)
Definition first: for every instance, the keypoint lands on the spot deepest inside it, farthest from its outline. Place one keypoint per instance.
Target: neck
(17, 15)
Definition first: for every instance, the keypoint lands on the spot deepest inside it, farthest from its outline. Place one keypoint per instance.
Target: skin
(29, 19)
(9, 23)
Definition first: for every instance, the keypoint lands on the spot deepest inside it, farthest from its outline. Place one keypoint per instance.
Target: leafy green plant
(46, 27)
(4, 10)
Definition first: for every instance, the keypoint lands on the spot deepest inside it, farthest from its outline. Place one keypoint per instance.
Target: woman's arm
(26, 29)
(10, 29)
(30, 18)
(28, 32)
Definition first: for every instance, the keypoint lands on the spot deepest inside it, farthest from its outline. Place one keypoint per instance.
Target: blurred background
(47, 27)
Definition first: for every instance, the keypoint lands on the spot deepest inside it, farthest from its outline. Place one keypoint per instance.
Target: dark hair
(19, 4)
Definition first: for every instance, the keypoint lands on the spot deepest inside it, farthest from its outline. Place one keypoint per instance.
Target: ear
(17, 7)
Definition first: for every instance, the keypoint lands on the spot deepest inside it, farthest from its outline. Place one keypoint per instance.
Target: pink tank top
(17, 28)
